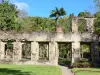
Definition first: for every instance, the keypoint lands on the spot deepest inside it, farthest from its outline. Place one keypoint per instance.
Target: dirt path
(66, 70)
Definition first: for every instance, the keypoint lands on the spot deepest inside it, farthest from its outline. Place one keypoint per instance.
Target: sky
(42, 8)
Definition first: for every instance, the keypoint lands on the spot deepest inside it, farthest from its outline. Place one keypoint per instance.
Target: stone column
(34, 51)
(17, 51)
(90, 24)
(95, 49)
(53, 52)
(2, 50)
(47, 52)
(75, 51)
(75, 25)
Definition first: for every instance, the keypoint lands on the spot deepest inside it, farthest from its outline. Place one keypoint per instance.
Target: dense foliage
(13, 19)
(97, 15)
(84, 14)
(82, 25)
(37, 24)
(97, 23)
(8, 16)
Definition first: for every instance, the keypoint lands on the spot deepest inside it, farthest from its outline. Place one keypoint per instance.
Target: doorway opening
(9, 51)
(85, 51)
(26, 51)
(65, 53)
(44, 51)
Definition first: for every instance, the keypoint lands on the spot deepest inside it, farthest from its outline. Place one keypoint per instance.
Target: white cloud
(21, 5)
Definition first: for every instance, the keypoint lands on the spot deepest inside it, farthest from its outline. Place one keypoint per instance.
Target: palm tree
(57, 13)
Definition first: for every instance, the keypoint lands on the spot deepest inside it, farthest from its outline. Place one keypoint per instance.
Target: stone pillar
(95, 49)
(75, 25)
(90, 24)
(34, 51)
(47, 52)
(17, 51)
(75, 51)
(2, 50)
(53, 53)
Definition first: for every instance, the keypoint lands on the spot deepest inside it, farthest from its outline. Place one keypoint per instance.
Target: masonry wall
(53, 38)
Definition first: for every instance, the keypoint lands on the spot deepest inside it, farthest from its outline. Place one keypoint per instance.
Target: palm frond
(58, 12)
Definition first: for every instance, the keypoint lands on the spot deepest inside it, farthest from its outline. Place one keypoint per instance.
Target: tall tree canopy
(8, 16)
(84, 14)
(97, 23)
(97, 15)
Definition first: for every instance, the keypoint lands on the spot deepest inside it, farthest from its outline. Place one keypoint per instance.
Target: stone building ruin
(52, 40)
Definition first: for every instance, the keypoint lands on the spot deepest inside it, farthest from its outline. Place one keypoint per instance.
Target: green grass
(79, 71)
(87, 73)
(29, 70)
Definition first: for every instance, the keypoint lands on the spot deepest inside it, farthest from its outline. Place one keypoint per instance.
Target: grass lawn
(29, 70)
(86, 71)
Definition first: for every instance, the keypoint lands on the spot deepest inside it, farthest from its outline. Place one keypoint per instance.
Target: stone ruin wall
(52, 38)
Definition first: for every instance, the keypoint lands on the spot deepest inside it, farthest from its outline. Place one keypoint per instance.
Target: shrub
(82, 65)
(64, 61)
(83, 60)
(67, 62)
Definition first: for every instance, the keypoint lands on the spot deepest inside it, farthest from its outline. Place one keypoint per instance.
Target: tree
(84, 14)
(97, 15)
(37, 24)
(57, 13)
(69, 22)
(82, 22)
(97, 23)
(66, 22)
(8, 16)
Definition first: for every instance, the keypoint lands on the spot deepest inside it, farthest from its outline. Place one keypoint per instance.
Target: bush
(82, 65)
(64, 61)
(83, 60)
(67, 62)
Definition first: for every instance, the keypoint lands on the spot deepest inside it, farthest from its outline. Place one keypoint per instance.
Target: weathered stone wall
(53, 38)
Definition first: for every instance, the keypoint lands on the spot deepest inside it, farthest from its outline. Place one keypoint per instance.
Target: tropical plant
(57, 13)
